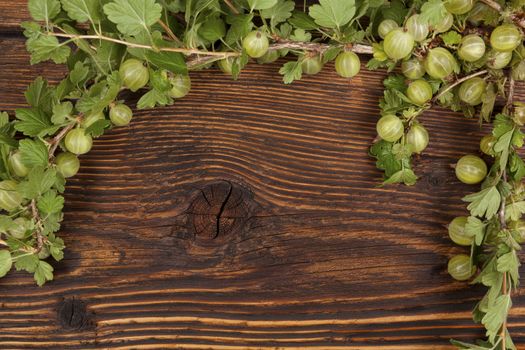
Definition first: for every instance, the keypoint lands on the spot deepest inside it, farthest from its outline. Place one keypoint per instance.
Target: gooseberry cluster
(464, 55)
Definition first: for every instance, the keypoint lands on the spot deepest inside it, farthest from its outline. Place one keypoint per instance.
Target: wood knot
(72, 314)
(219, 210)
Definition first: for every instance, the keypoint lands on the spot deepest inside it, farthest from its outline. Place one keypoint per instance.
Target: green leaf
(50, 203)
(433, 12)
(153, 98)
(451, 38)
(301, 35)
(213, 29)
(475, 228)
(509, 262)
(43, 273)
(82, 10)
(386, 159)
(45, 48)
(405, 176)
(97, 128)
(34, 122)
(395, 82)
(26, 262)
(240, 26)
(5, 262)
(514, 210)
(133, 16)
(56, 246)
(279, 13)
(38, 94)
(333, 13)
(61, 112)
(79, 73)
(495, 315)
(37, 182)
(171, 61)
(291, 71)
(484, 203)
(302, 20)
(261, 4)
(502, 146)
(33, 153)
(397, 11)
(43, 10)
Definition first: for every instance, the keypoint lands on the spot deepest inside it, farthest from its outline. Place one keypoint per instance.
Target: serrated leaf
(61, 112)
(433, 12)
(43, 273)
(171, 61)
(405, 176)
(333, 13)
(45, 48)
(509, 263)
(302, 20)
(475, 228)
(5, 262)
(484, 203)
(43, 10)
(514, 211)
(38, 94)
(291, 71)
(261, 4)
(495, 315)
(97, 128)
(213, 29)
(153, 98)
(79, 73)
(451, 38)
(133, 16)
(240, 26)
(34, 122)
(82, 10)
(37, 182)
(279, 13)
(26, 262)
(50, 203)
(33, 153)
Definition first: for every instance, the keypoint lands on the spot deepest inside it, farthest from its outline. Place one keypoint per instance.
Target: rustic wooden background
(248, 216)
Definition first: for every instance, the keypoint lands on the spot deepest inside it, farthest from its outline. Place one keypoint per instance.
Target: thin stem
(213, 56)
(55, 141)
(170, 32)
(230, 5)
(38, 234)
(457, 82)
(182, 50)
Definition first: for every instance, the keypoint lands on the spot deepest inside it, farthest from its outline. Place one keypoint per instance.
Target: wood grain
(248, 216)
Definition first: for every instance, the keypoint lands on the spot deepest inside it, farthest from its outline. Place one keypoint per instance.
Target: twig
(457, 82)
(230, 5)
(37, 232)
(170, 32)
(182, 50)
(211, 56)
(55, 141)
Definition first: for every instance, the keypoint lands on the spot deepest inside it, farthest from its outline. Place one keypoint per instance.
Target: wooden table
(248, 216)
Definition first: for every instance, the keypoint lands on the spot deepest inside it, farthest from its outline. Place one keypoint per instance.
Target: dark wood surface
(248, 216)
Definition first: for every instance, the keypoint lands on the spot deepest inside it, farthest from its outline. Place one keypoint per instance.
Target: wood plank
(307, 251)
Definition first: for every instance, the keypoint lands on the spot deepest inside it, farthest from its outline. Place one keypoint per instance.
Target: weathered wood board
(248, 216)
